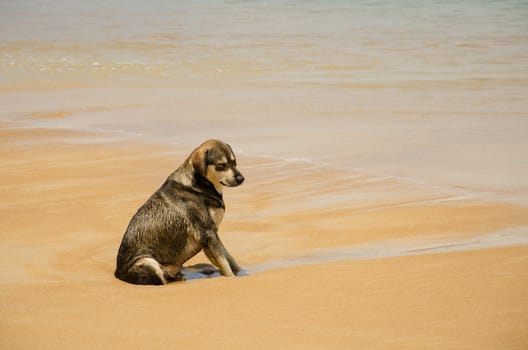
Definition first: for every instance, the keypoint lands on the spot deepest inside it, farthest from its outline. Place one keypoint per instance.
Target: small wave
(401, 247)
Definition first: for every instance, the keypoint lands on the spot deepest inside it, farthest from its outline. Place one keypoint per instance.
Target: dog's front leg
(214, 249)
(232, 263)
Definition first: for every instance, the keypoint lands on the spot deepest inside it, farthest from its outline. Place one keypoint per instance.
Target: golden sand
(64, 207)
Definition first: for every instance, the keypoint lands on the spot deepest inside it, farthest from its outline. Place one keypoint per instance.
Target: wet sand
(65, 202)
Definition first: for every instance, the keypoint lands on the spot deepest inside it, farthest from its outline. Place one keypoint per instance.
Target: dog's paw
(204, 269)
(177, 277)
(208, 271)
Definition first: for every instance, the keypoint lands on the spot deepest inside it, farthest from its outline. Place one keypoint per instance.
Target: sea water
(435, 91)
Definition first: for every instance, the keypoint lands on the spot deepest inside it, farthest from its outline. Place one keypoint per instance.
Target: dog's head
(216, 161)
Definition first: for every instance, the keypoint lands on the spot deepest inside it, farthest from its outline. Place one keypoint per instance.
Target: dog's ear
(231, 150)
(199, 162)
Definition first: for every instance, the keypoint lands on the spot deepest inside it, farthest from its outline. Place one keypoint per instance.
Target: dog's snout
(239, 178)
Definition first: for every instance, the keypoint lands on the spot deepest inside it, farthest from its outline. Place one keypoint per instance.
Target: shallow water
(434, 91)
(389, 248)
(392, 248)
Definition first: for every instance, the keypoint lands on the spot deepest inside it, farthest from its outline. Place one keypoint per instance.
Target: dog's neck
(207, 187)
(197, 183)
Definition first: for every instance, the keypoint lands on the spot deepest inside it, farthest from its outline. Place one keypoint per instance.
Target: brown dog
(180, 219)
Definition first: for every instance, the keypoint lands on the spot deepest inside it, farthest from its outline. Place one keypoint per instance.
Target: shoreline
(432, 148)
(354, 209)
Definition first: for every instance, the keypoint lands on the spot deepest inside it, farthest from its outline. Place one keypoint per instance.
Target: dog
(180, 219)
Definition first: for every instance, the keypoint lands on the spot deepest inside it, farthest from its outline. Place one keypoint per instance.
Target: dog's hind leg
(146, 271)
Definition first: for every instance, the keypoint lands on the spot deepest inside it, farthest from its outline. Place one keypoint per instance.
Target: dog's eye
(221, 166)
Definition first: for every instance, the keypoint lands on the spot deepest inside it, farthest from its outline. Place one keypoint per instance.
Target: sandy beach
(65, 206)
(383, 144)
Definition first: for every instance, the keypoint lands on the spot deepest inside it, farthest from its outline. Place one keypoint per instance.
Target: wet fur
(180, 219)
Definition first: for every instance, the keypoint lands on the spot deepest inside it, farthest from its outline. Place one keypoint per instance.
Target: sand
(384, 148)
(65, 202)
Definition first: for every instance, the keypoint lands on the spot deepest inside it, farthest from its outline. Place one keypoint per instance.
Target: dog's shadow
(202, 271)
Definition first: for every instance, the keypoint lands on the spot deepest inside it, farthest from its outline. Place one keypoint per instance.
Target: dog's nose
(239, 179)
